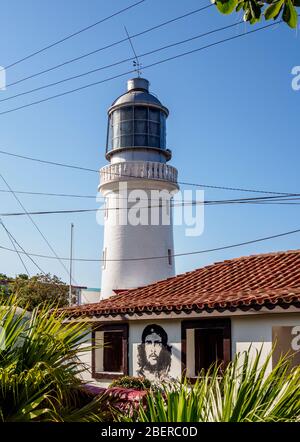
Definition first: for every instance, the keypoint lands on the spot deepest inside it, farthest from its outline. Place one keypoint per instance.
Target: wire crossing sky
(232, 129)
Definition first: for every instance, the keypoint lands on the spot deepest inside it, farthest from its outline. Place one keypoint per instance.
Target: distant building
(88, 295)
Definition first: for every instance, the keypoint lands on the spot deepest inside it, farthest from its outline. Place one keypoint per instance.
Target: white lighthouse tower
(138, 156)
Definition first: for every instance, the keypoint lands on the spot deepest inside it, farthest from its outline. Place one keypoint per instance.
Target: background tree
(4, 286)
(254, 10)
(31, 292)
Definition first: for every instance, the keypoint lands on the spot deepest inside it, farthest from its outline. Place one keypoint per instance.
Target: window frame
(224, 324)
(106, 328)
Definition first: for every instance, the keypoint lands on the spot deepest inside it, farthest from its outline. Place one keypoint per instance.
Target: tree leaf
(239, 6)
(273, 10)
(289, 14)
(247, 15)
(226, 6)
(255, 10)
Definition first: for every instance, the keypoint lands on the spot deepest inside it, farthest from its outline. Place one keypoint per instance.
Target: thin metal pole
(71, 265)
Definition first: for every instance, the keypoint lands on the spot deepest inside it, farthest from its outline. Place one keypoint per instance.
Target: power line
(152, 28)
(161, 48)
(197, 252)
(265, 200)
(73, 34)
(86, 169)
(53, 163)
(145, 67)
(70, 195)
(10, 237)
(34, 223)
(66, 195)
(24, 252)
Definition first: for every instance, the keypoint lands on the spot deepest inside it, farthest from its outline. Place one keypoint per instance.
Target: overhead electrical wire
(175, 204)
(152, 28)
(67, 37)
(28, 214)
(98, 198)
(24, 252)
(193, 51)
(121, 62)
(13, 241)
(86, 169)
(66, 195)
(197, 252)
(53, 163)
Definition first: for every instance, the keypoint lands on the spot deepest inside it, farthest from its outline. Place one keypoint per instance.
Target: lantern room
(137, 122)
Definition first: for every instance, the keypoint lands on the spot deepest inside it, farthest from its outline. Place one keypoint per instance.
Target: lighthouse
(138, 186)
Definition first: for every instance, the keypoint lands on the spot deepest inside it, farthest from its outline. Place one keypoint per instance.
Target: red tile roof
(252, 281)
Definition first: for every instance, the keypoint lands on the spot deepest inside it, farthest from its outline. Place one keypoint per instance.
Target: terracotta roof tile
(256, 280)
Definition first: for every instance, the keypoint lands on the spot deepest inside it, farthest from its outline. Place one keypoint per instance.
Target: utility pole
(71, 265)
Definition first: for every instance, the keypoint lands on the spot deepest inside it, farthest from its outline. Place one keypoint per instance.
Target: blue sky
(234, 121)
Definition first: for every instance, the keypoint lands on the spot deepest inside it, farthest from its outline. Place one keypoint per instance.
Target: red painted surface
(251, 281)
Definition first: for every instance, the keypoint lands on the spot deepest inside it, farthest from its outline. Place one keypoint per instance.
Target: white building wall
(86, 359)
(256, 331)
(124, 241)
(246, 331)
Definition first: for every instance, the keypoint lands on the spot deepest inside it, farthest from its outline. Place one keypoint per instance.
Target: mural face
(154, 354)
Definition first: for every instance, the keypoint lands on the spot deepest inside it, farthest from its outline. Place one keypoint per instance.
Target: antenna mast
(136, 62)
(71, 265)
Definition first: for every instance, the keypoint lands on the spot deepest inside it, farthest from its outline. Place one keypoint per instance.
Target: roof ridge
(256, 255)
(224, 262)
(243, 279)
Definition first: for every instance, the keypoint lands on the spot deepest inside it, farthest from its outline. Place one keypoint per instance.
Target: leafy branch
(255, 9)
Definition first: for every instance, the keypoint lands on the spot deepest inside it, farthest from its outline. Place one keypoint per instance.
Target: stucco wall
(257, 331)
(254, 330)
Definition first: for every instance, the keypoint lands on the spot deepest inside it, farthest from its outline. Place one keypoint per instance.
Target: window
(109, 353)
(104, 258)
(136, 126)
(208, 348)
(170, 256)
(106, 202)
(205, 342)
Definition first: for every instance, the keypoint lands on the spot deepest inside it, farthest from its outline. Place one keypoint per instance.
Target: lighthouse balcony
(128, 170)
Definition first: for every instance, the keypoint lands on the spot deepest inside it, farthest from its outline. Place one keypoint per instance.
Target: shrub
(40, 370)
(246, 392)
(138, 383)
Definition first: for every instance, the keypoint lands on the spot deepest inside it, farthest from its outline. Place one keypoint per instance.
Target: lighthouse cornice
(147, 172)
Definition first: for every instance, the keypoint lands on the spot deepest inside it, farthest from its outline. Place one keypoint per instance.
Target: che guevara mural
(154, 354)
